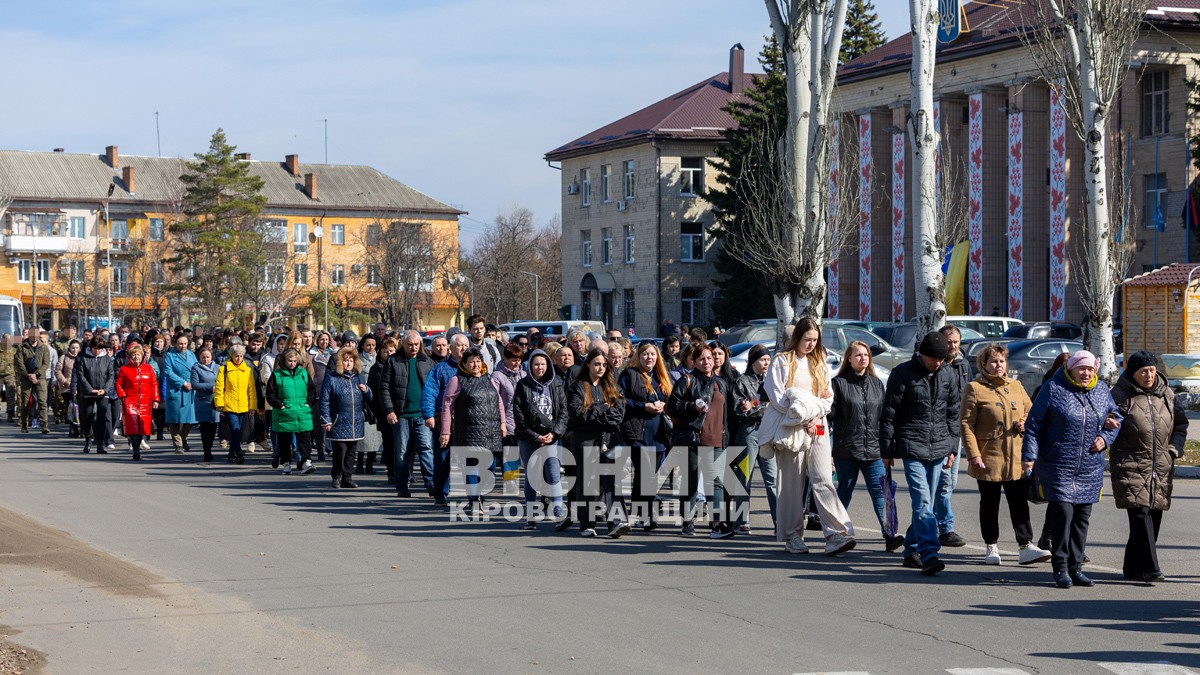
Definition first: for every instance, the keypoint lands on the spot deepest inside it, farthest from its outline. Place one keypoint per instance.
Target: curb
(1180, 471)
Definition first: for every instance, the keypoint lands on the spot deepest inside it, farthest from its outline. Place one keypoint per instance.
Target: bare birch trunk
(930, 284)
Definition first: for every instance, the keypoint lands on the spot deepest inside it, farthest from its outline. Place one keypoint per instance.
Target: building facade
(637, 244)
(1022, 164)
(81, 229)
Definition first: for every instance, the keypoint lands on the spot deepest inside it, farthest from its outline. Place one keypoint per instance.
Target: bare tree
(768, 218)
(1082, 49)
(929, 282)
(501, 292)
(809, 33)
(401, 266)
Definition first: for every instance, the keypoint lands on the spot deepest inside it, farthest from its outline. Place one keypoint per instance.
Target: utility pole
(108, 254)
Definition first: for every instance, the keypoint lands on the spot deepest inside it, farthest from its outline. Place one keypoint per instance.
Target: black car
(1028, 360)
(1045, 331)
(902, 335)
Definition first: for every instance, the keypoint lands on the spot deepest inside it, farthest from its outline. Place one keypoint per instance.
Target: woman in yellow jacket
(234, 396)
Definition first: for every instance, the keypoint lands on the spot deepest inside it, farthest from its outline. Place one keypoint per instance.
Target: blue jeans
(406, 432)
(923, 478)
(847, 477)
(749, 438)
(551, 471)
(235, 433)
(941, 504)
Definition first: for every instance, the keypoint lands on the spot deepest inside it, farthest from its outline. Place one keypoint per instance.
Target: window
(374, 234)
(691, 238)
(606, 246)
(78, 227)
(628, 243)
(120, 277)
(1155, 193)
(157, 230)
(300, 274)
(74, 271)
(119, 235)
(585, 305)
(274, 231)
(337, 234)
(605, 182)
(630, 307)
(337, 276)
(1155, 97)
(691, 176)
(23, 267)
(189, 272)
(273, 276)
(300, 237)
(630, 167)
(692, 304)
(158, 273)
(585, 187)
(587, 248)
(373, 275)
(43, 271)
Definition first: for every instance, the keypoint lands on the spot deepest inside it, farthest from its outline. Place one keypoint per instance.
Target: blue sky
(458, 98)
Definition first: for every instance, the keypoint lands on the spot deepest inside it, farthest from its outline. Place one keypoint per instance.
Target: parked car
(988, 326)
(971, 349)
(1045, 330)
(558, 328)
(901, 335)
(1028, 360)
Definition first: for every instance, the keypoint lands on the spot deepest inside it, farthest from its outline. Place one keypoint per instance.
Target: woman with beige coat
(992, 426)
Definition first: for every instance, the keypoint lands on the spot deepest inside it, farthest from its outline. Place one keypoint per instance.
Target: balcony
(120, 245)
(42, 243)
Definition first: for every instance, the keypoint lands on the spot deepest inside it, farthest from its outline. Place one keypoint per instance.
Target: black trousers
(94, 420)
(1015, 492)
(343, 459)
(208, 433)
(303, 443)
(1068, 524)
(1141, 551)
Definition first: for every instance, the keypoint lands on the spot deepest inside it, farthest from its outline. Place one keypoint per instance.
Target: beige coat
(991, 408)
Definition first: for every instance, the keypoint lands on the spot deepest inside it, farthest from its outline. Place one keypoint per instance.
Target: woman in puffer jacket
(344, 393)
(540, 416)
(1066, 434)
(474, 415)
(1143, 459)
(137, 387)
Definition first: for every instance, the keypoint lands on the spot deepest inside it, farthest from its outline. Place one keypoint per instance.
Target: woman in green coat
(291, 393)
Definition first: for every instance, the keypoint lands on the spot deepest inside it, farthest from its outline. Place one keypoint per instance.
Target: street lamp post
(108, 253)
(319, 233)
(536, 282)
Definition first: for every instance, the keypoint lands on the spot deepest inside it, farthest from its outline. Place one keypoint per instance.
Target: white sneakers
(839, 543)
(1030, 554)
(144, 445)
(251, 448)
(796, 545)
(287, 469)
(992, 556)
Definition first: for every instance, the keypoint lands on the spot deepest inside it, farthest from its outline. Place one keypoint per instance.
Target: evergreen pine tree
(863, 32)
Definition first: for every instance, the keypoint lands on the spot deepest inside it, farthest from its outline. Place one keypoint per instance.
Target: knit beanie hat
(1139, 360)
(349, 336)
(1083, 358)
(934, 346)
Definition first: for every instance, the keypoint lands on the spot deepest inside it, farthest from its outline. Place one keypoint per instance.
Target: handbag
(1037, 492)
(891, 521)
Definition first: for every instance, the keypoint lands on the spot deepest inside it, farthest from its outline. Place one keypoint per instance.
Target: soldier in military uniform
(8, 377)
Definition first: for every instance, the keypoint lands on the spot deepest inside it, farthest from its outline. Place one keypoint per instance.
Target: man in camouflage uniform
(8, 378)
(31, 360)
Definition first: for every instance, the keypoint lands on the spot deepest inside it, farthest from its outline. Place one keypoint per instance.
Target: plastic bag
(891, 522)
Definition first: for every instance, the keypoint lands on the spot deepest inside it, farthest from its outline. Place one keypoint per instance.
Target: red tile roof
(696, 113)
(995, 25)
(1175, 274)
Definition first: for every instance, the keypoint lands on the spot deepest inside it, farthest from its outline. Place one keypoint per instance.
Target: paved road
(172, 565)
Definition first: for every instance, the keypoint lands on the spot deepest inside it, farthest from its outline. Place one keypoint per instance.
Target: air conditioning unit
(355, 269)
(13, 261)
(621, 205)
(572, 188)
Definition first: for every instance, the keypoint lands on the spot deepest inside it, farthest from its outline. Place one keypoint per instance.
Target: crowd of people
(577, 408)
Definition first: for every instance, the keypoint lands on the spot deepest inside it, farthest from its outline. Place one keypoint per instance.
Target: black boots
(358, 466)
(371, 457)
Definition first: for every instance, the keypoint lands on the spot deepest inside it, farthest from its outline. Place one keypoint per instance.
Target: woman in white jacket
(794, 426)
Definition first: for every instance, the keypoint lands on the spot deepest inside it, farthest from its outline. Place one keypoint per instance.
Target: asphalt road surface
(170, 565)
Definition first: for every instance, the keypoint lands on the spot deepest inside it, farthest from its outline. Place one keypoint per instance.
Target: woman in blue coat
(179, 400)
(344, 393)
(203, 378)
(1073, 421)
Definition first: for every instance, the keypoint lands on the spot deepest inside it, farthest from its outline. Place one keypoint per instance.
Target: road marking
(986, 671)
(1160, 668)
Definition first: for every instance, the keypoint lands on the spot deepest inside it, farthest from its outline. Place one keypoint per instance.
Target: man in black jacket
(919, 424)
(401, 384)
(957, 363)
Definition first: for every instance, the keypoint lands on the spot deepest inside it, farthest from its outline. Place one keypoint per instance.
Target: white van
(12, 317)
(558, 328)
(989, 326)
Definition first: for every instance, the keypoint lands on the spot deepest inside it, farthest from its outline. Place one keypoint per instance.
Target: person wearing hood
(540, 416)
(854, 422)
(1072, 422)
(401, 384)
(433, 394)
(94, 379)
(1142, 460)
(473, 415)
(179, 400)
(644, 428)
(203, 379)
(992, 421)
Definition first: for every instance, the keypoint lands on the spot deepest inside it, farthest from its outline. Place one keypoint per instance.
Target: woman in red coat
(137, 387)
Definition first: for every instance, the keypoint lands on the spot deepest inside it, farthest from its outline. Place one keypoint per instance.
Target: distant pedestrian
(344, 393)
(179, 400)
(137, 387)
(235, 395)
(203, 379)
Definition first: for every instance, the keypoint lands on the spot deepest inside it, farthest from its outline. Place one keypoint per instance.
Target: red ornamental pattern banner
(1016, 215)
(864, 218)
(1058, 206)
(835, 149)
(975, 206)
(898, 226)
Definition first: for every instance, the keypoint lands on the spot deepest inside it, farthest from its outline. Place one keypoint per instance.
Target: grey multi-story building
(637, 247)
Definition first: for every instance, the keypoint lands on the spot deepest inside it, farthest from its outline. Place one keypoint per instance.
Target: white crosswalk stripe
(1161, 668)
(986, 671)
